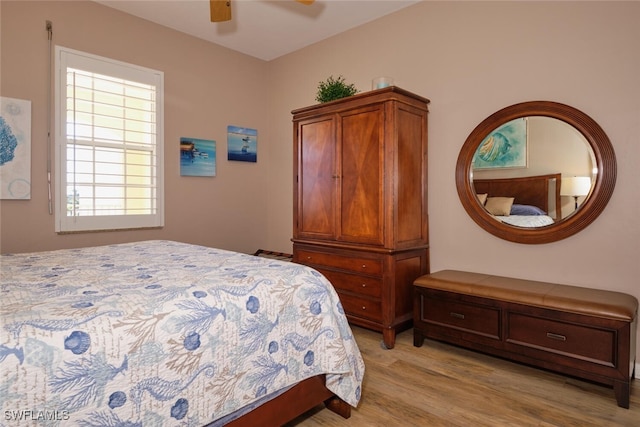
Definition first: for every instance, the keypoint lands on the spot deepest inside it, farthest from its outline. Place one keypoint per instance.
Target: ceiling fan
(221, 9)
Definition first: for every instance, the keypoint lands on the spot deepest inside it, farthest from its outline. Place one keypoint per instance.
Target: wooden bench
(586, 333)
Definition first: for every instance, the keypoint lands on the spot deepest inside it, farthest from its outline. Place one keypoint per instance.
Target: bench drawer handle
(556, 336)
(456, 315)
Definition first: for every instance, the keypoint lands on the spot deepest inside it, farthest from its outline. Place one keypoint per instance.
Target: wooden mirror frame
(592, 207)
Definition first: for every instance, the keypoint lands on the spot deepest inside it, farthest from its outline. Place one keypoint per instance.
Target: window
(109, 144)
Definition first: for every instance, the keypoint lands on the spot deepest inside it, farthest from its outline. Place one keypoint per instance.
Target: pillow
(482, 198)
(500, 206)
(526, 210)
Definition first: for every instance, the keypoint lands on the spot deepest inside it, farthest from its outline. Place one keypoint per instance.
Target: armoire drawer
(361, 285)
(466, 316)
(355, 264)
(361, 307)
(577, 341)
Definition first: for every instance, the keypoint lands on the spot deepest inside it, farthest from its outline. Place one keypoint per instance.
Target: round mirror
(536, 172)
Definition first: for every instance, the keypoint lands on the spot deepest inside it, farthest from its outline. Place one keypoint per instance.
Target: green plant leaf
(334, 88)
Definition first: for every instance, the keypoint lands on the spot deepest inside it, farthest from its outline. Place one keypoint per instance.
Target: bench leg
(418, 337)
(622, 390)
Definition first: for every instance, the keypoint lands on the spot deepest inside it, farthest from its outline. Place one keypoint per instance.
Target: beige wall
(207, 87)
(469, 58)
(472, 59)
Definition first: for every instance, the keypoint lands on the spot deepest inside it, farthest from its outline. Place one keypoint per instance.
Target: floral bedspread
(162, 333)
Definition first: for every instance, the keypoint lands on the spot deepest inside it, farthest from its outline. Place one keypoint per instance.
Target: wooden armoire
(360, 202)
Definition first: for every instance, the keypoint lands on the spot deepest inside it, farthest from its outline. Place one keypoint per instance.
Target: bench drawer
(580, 342)
(466, 316)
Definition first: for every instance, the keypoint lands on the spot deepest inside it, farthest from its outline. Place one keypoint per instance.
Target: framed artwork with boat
(242, 144)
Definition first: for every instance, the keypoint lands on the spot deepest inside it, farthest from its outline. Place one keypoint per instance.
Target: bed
(532, 201)
(165, 333)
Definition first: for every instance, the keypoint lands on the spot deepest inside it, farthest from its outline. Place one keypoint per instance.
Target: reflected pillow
(482, 198)
(526, 210)
(500, 206)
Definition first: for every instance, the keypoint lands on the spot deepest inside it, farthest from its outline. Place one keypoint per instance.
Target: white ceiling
(265, 29)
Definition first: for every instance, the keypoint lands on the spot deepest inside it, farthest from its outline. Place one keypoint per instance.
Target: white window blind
(109, 144)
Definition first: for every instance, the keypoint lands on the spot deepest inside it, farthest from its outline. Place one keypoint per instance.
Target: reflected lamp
(575, 186)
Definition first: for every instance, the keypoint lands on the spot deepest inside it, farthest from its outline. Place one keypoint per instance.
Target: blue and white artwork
(242, 144)
(15, 148)
(197, 157)
(505, 147)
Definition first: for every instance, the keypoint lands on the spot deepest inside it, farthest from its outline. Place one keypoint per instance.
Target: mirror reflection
(533, 171)
(529, 154)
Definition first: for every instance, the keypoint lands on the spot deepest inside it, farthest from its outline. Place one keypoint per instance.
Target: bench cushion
(574, 299)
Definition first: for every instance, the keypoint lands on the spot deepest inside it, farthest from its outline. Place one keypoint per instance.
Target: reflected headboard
(542, 191)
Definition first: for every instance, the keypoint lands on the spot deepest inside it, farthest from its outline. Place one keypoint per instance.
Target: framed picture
(505, 147)
(197, 157)
(15, 148)
(242, 144)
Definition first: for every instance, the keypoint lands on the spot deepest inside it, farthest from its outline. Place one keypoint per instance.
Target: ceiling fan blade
(307, 2)
(220, 10)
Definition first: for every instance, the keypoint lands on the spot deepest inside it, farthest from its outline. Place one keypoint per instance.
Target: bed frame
(528, 190)
(294, 402)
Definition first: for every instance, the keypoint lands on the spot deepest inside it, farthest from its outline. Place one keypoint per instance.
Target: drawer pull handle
(457, 315)
(308, 258)
(364, 308)
(556, 336)
(364, 266)
(364, 285)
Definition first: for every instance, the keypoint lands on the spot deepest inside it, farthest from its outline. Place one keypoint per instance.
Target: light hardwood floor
(443, 385)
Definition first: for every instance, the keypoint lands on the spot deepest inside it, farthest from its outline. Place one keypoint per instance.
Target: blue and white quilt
(162, 333)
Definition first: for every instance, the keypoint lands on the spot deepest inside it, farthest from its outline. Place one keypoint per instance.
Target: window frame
(69, 58)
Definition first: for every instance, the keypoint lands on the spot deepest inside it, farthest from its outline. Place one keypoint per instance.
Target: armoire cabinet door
(317, 179)
(361, 155)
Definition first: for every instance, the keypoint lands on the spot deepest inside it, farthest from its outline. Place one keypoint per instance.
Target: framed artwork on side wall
(197, 157)
(15, 148)
(242, 144)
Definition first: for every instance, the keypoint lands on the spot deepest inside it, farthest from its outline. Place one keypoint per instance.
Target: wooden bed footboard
(299, 399)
